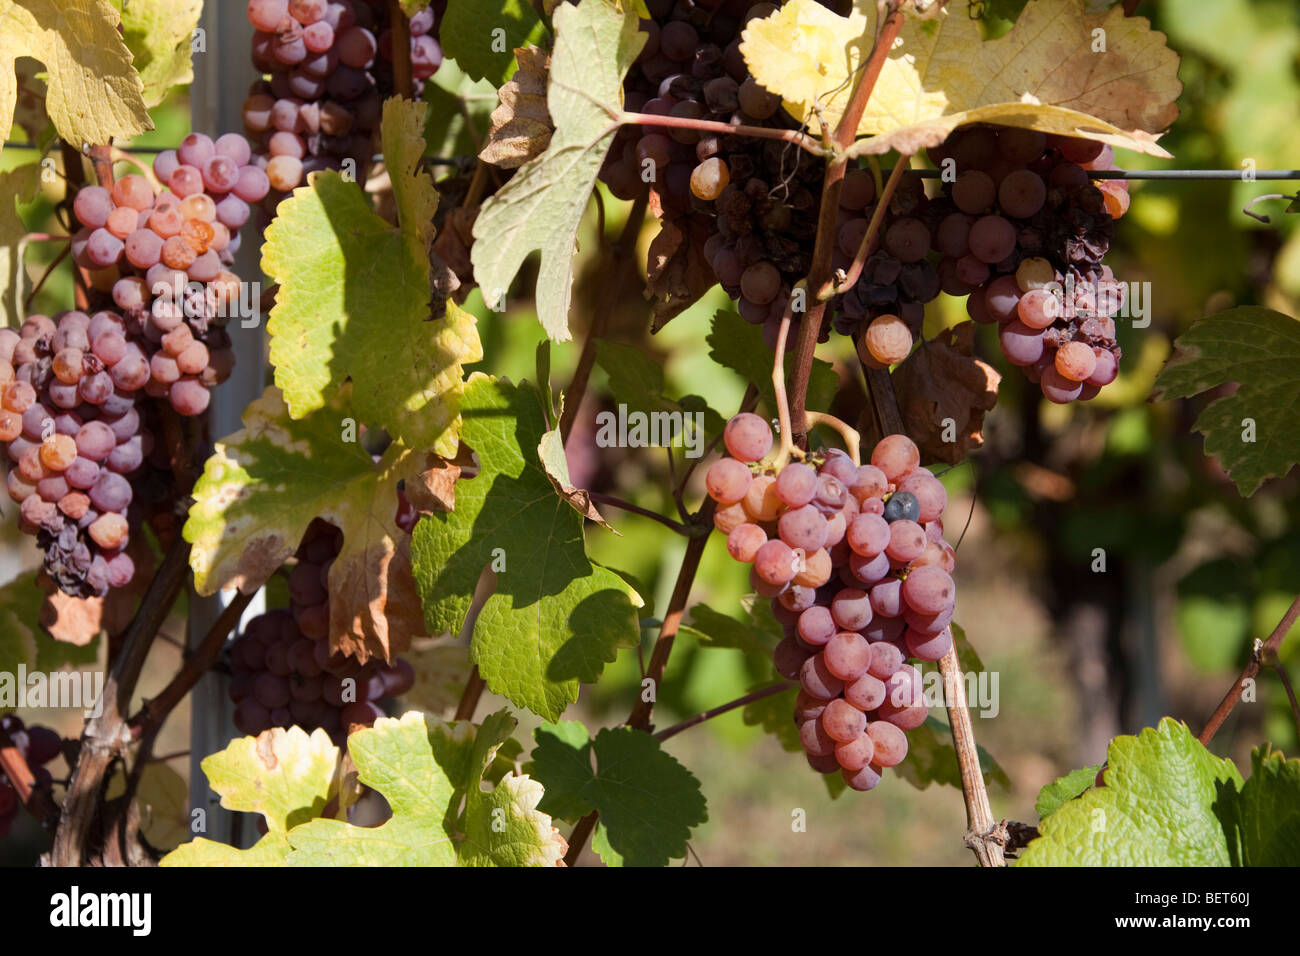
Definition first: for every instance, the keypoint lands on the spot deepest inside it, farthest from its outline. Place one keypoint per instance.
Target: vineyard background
(1194, 572)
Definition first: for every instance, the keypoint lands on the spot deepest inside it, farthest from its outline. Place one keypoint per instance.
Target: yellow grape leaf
(160, 34)
(94, 94)
(1104, 77)
(285, 775)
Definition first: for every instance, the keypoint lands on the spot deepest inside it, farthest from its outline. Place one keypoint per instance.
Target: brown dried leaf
(677, 273)
(943, 380)
(434, 489)
(521, 124)
(378, 602)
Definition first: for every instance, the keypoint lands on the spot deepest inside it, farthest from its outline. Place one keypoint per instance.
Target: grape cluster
(1023, 234)
(71, 428)
(166, 259)
(756, 200)
(283, 670)
(39, 746)
(752, 206)
(329, 68)
(859, 575)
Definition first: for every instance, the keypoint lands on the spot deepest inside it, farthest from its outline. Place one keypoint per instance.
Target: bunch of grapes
(165, 258)
(71, 428)
(39, 746)
(859, 575)
(751, 203)
(283, 670)
(1023, 234)
(329, 68)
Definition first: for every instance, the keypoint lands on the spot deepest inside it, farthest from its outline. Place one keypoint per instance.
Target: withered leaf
(677, 273)
(942, 380)
(521, 124)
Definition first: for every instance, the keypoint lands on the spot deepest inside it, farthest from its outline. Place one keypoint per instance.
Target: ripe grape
(896, 455)
(747, 437)
(888, 339)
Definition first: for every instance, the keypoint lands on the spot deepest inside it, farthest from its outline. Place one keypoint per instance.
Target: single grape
(747, 437)
(896, 456)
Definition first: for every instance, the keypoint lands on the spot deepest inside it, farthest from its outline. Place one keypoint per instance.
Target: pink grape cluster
(859, 576)
(165, 258)
(71, 428)
(329, 68)
(283, 671)
(38, 746)
(1024, 241)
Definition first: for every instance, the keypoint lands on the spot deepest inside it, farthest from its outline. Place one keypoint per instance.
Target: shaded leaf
(555, 619)
(943, 380)
(159, 34)
(1255, 432)
(542, 205)
(521, 125)
(479, 35)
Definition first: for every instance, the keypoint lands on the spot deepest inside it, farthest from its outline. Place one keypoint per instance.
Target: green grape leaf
(775, 715)
(284, 775)
(25, 640)
(162, 799)
(424, 769)
(481, 35)
(20, 608)
(1060, 792)
(756, 638)
(16, 186)
(739, 346)
(1263, 821)
(94, 92)
(931, 758)
(967, 657)
(647, 801)
(159, 34)
(1158, 807)
(636, 379)
(265, 484)
(542, 205)
(1255, 431)
(555, 618)
(354, 299)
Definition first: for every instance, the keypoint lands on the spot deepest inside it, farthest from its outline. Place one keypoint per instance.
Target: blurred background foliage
(1193, 571)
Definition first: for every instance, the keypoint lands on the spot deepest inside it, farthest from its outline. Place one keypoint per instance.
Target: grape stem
(787, 447)
(1268, 648)
(852, 440)
(700, 718)
(800, 139)
(616, 502)
(199, 660)
(122, 156)
(868, 244)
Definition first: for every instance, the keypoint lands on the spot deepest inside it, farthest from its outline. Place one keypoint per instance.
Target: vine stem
(700, 718)
(154, 712)
(1282, 675)
(800, 139)
(616, 502)
(819, 274)
(1269, 646)
(403, 80)
(643, 711)
(106, 736)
